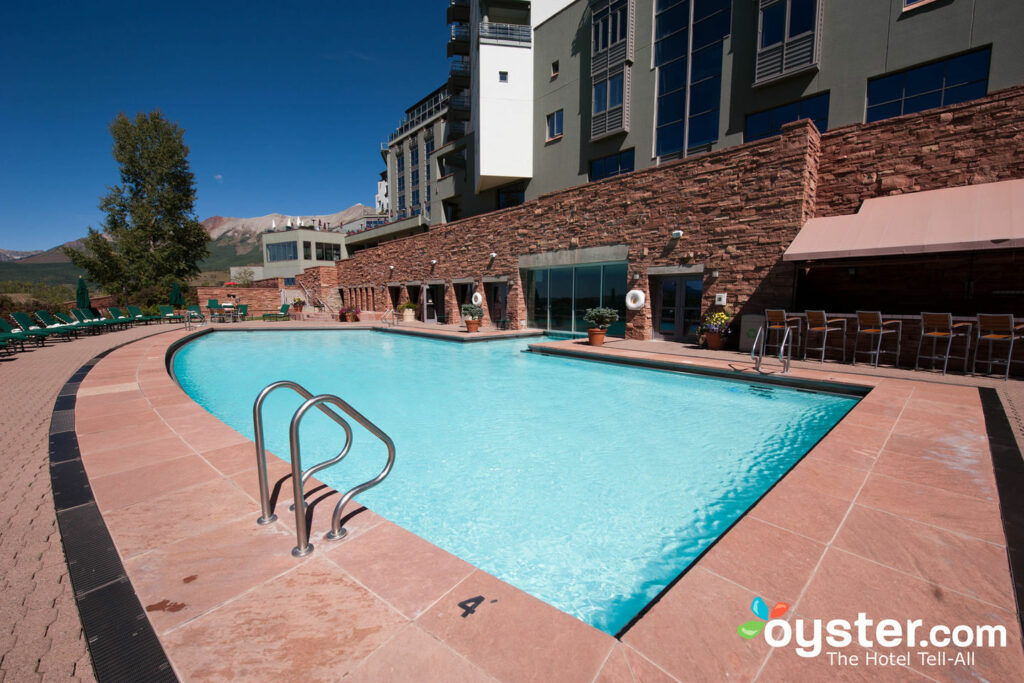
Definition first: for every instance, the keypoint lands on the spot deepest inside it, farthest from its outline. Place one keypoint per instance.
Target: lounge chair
(28, 325)
(52, 323)
(939, 327)
(280, 315)
(87, 317)
(996, 329)
(167, 313)
(243, 311)
(86, 320)
(136, 314)
(114, 322)
(116, 314)
(818, 322)
(215, 310)
(870, 323)
(195, 314)
(38, 336)
(12, 338)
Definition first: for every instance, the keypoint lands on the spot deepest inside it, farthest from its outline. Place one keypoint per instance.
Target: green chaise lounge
(36, 335)
(136, 314)
(52, 323)
(28, 325)
(116, 314)
(167, 313)
(280, 315)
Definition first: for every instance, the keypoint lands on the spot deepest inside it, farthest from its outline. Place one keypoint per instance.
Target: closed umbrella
(82, 295)
(177, 299)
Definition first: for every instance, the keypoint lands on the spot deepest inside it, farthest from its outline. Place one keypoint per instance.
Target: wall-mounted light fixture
(493, 254)
(433, 261)
(636, 276)
(714, 273)
(677, 234)
(391, 267)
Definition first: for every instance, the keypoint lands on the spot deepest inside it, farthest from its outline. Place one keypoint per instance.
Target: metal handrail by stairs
(299, 477)
(384, 317)
(316, 301)
(785, 349)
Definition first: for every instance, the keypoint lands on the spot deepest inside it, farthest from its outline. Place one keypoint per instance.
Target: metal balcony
(458, 10)
(458, 41)
(460, 107)
(455, 130)
(459, 75)
(505, 33)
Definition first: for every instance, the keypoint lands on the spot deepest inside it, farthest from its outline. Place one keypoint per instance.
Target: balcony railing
(460, 33)
(460, 69)
(516, 33)
(461, 102)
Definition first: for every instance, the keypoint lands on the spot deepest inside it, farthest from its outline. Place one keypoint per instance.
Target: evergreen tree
(150, 236)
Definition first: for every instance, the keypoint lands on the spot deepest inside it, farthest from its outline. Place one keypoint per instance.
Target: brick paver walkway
(40, 631)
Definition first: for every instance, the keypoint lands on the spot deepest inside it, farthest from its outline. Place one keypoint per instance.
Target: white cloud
(219, 178)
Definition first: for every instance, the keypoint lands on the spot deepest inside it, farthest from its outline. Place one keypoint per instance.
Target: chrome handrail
(785, 348)
(757, 350)
(267, 515)
(786, 345)
(190, 316)
(384, 317)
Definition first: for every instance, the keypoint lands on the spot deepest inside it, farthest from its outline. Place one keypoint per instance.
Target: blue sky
(284, 105)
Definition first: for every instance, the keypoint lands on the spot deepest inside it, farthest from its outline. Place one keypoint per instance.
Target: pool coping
(177, 343)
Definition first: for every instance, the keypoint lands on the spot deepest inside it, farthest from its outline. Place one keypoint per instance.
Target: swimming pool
(590, 486)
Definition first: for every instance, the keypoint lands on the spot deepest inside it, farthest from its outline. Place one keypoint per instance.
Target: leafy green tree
(150, 236)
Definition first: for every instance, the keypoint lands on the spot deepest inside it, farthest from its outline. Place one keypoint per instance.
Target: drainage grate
(69, 389)
(70, 484)
(62, 421)
(121, 640)
(65, 403)
(63, 447)
(92, 558)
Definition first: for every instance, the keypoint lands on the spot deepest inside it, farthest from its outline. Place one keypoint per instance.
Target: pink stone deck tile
(132, 486)
(311, 624)
(175, 516)
(178, 410)
(960, 563)
(92, 407)
(833, 449)
(863, 436)
(141, 420)
(414, 655)
(935, 427)
(831, 479)
(615, 668)
(279, 477)
(102, 463)
(803, 511)
(207, 439)
(765, 559)
(179, 581)
(846, 585)
(402, 568)
(643, 669)
(122, 437)
(356, 519)
(961, 514)
(518, 637)
(691, 631)
(962, 472)
(233, 459)
(97, 403)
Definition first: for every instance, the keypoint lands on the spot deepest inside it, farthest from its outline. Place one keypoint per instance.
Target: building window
(415, 197)
(414, 157)
(949, 81)
(766, 123)
(554, 68)
(608, 93)
(557, 298)
(428, 197)
(400, 162)
(428, 144)
(289, 281)
(426, 171)
(414, 177)
(787, 38)
(283, 251)
(513, 195)
(401, 183)
(326, 251)
(307, 250)
(612, 165)
(611, 25)
(688, 57)
(401, 203)
(555, 125)
(503, 77)
(610, 67)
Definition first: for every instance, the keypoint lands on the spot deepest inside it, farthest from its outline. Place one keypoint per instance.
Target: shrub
(715, 322)
(601, 318)
(472, 312)
(408, 306)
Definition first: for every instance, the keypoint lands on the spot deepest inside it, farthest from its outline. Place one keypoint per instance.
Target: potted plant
(297, 304)
(599, 319)
(472, 314)
(715, 327)
(350, 314)
(408, 310)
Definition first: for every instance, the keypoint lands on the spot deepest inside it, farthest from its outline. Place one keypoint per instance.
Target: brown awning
(969, 218)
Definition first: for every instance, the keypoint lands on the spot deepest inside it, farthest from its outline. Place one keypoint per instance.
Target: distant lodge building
(783, 154)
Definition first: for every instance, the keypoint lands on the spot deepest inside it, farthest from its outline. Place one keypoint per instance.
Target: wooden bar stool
(819, 323)
(997, 329)
(939, 328)
(871, 324)
(776, 322)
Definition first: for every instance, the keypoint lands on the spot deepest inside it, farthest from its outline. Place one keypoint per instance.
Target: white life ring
(477, 299)
(635, 299)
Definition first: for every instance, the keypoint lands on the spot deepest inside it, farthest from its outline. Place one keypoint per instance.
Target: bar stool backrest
(989, 323)
(936, 322)
(869, 320)
(775, 317)
(816, 319)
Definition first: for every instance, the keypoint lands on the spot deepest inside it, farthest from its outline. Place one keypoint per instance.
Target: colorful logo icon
(760, 609)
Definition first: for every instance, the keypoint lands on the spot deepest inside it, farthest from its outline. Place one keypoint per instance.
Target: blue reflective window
(676, 19)
(769, 122)
(615, 91)
(612, 165)
(671, 107)
(802, 14)
(710, 30)
(705, 8)
(773, 24)
(672, 76)
(414, 156)
(953, 80)
(283, 251)
(415, 197)
(401, 183)
(706, 62)
(671, 138)
(703, 129)
(600, 96)
(414, 177)
(670, 48)
(555, 124)
(704, 95)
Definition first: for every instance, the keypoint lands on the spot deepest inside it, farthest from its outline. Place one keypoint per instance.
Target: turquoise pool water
(588, 485)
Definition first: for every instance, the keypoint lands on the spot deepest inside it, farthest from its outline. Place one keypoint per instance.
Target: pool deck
(894, 513)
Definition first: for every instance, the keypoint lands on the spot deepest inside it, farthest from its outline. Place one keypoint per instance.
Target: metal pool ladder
(299, 477)
(785, 349)
(385, 314)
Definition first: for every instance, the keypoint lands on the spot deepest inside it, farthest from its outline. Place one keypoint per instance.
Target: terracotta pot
(351, 318)
(714, 341)
(472, 326)
(595, 335)
(298, 307)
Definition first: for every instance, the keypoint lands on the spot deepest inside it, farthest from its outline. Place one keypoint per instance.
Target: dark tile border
(122, 643)
(1008, 466)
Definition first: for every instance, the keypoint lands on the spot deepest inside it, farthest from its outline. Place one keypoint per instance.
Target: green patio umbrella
(82, 295)
(177, 299)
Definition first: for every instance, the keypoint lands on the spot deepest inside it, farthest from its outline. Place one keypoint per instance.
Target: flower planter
(595, 336)
(298, 307)
(408, 315)
(351, 318)
(714, 340)
(472, 326)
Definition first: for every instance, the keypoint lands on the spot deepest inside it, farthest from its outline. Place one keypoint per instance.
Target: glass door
(676, 307)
